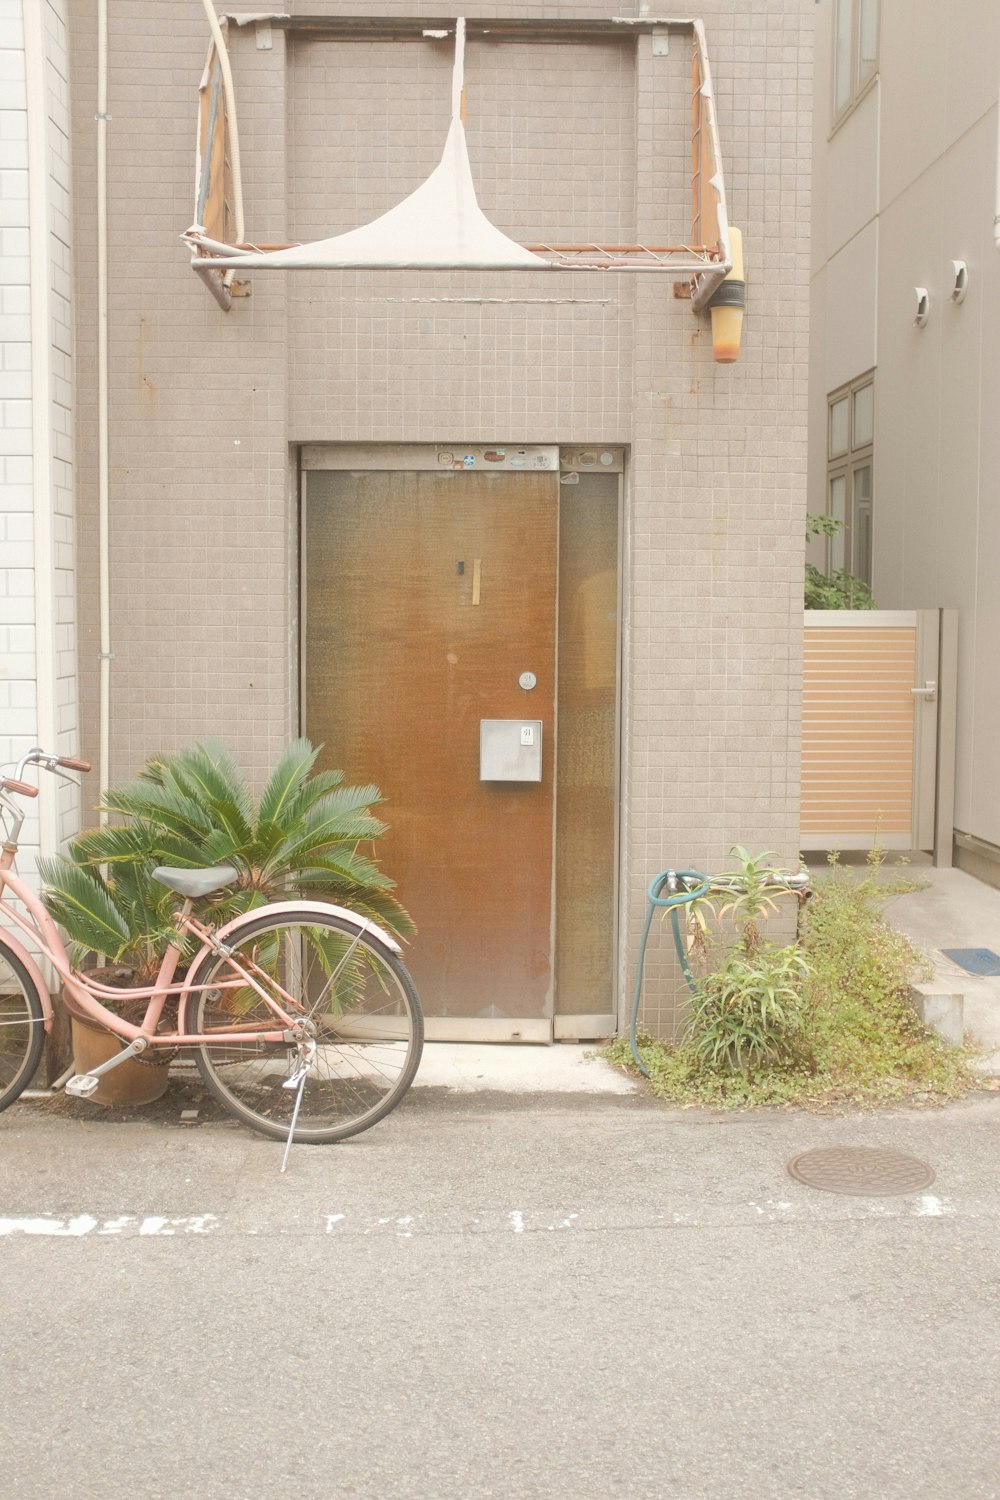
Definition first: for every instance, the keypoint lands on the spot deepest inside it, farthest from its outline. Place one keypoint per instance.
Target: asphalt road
(523, 1297)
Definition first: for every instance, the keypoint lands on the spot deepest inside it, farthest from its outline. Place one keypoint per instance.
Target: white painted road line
(817, 1209)
(82, 1224)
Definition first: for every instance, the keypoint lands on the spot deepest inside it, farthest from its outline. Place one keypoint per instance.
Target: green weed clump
(825, 1022)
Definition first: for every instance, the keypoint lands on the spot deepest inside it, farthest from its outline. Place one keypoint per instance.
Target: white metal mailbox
(510, 749)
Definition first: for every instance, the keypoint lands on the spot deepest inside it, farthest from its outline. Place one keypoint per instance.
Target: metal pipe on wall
(41, 410)
(103, 495)
(996, 216)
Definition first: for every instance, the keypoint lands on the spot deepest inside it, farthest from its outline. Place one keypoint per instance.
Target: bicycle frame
(84, 996)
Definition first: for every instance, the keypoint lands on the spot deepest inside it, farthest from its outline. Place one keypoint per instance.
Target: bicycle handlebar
(50, 762)
(39, 757)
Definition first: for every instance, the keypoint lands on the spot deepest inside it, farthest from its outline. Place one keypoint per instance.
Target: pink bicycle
(300, 1015)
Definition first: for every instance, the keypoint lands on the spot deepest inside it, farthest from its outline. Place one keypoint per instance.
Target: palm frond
(316, 787)
(384, 909)
(285, 782)
(318, 784)
(347, 799)
(153, 768)
(133, 885)
(79, 900)
(221, 848)
(378, 904)
(177, 850)
(209, 775)
(163, 806)
(114, 843)
(345, 865)
(313, 843)
(269, 840)
(338, 818)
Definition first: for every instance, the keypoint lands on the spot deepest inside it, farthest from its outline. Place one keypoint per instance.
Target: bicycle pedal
(82, 1085)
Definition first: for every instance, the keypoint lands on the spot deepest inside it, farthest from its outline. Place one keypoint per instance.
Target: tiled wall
(570, 141)
(38, 693)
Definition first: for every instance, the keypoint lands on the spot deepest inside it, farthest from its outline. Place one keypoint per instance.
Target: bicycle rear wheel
(361, 1008)
(22, 1032)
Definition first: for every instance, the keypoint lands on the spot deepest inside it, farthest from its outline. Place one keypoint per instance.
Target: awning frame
(217, 238)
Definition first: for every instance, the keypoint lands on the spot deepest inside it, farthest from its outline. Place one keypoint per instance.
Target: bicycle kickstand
(297, 1081)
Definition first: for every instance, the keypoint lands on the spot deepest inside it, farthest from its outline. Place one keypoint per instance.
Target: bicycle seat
(195, 883)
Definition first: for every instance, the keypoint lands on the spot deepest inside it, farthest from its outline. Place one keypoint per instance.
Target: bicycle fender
(34, 974)
(282, 908)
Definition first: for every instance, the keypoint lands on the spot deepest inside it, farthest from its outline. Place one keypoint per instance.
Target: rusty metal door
(429, 606)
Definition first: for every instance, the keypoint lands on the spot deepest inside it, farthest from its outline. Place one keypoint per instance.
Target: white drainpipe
(996, 217)
(41, 406)
(103, 527)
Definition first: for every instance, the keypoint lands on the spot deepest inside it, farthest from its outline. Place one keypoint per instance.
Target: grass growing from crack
(856, 1040)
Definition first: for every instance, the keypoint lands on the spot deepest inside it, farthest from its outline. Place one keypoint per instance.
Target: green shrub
(827, 1021)
(751, 1013)
(839, 589)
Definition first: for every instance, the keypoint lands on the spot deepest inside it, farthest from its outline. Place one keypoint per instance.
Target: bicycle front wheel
(357, 1004)
(22, 1030)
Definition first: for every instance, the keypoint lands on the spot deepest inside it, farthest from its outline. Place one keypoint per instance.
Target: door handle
(928, 691)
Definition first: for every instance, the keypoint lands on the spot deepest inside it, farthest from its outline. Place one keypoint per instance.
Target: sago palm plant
(126, 917)
(191, 808)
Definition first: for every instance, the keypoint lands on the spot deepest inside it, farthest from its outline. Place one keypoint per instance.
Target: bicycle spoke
(334, 976)
(22, 1028)
(356, 1004)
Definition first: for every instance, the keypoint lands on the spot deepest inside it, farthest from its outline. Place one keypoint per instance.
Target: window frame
(845, 466)
(857, 88)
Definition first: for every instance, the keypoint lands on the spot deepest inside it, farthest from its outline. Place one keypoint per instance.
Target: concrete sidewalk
(955, 910)
(951, 910)
(570, 1068)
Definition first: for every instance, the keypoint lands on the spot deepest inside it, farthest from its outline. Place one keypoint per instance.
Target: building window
(855, 51)
(850, 443)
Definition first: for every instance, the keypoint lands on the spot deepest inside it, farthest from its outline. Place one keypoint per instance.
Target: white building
(904, 353)
(38, 647)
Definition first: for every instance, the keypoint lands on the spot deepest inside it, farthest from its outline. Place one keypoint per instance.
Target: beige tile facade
(573, 141)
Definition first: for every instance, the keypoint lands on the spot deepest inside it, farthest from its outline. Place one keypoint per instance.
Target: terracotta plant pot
(131, 1083)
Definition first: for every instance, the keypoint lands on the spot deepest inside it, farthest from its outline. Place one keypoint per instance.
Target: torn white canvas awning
(439, 226)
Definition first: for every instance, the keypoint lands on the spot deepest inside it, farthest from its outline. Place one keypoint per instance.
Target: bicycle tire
(370, 1036)
(22, 1030)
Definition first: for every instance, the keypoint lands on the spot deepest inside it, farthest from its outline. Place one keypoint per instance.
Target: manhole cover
(863, 1170)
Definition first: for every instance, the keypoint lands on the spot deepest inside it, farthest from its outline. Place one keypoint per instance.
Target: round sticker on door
(527, 680)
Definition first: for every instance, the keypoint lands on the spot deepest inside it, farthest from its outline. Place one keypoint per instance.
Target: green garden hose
(681, 895)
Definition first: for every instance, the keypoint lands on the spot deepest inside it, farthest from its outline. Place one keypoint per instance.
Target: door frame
(565, 459)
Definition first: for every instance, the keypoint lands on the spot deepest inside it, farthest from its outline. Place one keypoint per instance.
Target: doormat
(974, 960)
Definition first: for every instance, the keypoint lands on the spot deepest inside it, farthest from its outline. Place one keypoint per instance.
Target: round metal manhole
(866, 1171)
